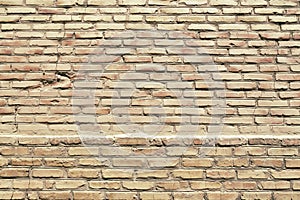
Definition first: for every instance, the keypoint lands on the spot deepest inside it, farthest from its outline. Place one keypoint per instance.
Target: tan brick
(88, 195)
(101, 2)
(240, 185)
(197, 162)
(283, 151)
(69, 184)
(11, 2)
(161, 163)
(47, 173)
(28, 184)
(252, 174)
(105, 185)
(14, 172)
(6, 184)
(257, 195)
(206, 27)
(292, 163)
(120, 195)
(222, 195)
(285, 195)
(188, 195)
(253, 3)
(26, 161)
(83, 173)
(40, 3)
(283, 3)
(138, 185)
(220, 174)
(111, 173)
(286, 174)
(238, 10)
(171, 27)
(223, 2)
(69, 2)
(155, 195)
(270, 162)
(275, 185)
(128, 162)
(12, 195)
(202, 185)
(188, 174)
(54, 195)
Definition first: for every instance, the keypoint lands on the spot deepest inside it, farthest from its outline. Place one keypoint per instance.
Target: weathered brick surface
(249, 175)
(209, 67)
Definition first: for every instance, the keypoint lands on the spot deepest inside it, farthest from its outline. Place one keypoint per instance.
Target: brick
(170, 27)
(222, 195)
(282, 19)
(28, 184)
(253, 3)
(105, 185)
(69, 2)
(14, 172)
(137, 185)
(47, 173)
(282, 151)
(69, 184)
(21, 10)
(11, 2)
(152, 174)
(101, 2)
(26, 162)
(40, 3)
(284, 195)
(220, 174)
(223, 3)
(240, 185)
(283, 3)
(120, 195)
(188, 195)
(110, 173)
(153, 195)
(287, 174)
(239, 10)
(202, 185)
(12, 195)
(88, 194)
(206, 27)
(6, 184)
(128, 2)
(205, 10)
(196, 162)
(292, 163)
(275, 185)
(256, 195)
(252, 174)
(83, 173)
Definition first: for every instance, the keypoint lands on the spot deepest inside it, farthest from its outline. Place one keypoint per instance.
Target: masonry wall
(150, 99)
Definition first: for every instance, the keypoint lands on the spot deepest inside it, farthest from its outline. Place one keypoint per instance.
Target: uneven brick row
(64, 168)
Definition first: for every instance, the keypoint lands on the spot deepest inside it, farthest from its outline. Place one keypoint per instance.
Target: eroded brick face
(224, 74)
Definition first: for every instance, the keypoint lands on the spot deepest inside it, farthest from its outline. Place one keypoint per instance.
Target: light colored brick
(254, 3)
(40, 3)
(11, 2)
(283, 3)
(47, 173)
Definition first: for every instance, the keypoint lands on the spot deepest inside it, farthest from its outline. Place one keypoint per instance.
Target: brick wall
(150, 99)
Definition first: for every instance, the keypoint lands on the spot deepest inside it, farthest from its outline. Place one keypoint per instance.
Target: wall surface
(150, 99)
